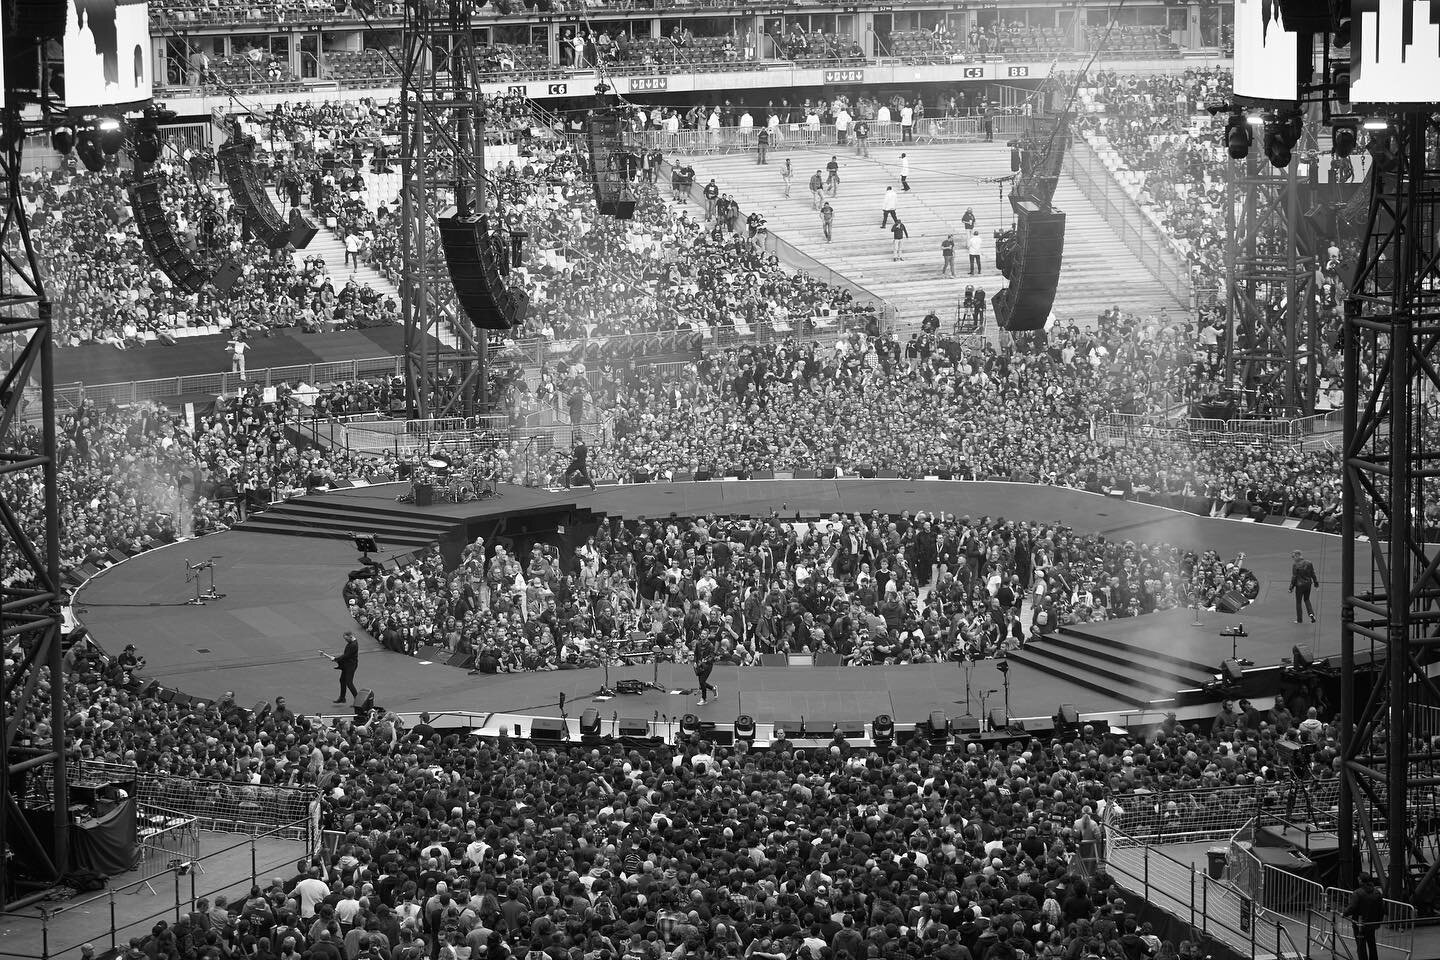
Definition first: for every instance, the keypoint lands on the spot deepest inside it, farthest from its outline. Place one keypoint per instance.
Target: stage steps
(1136, 674)
(333, 518)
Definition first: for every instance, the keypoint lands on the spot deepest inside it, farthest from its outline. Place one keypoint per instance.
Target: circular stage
(283, 571)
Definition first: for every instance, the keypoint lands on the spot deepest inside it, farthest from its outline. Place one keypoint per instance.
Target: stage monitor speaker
(938, 727)
(1036, 727)
(1068, 715)
(226, 276)
(1231, 602)
(477, 272)
(966, 725)
(829, 660)
(1301, 655)
(547, 728)
(364, 699)
(461, 659)
(998, 720)
(590, 722)
(424, 495)
(147, 200)
(237, 168)
(774, 660)
(1034, 268)
(633, 727)
(1231, 671)
(303, 228)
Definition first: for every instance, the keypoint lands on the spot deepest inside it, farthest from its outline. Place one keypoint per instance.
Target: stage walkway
(1098, 270)
(284, 603)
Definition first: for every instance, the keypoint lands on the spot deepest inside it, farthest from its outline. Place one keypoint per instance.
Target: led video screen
(108, 56)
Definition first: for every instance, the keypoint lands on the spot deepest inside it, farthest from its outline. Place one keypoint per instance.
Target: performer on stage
(1302, 578)
(578, 472)
(347, 663)
(705, 654)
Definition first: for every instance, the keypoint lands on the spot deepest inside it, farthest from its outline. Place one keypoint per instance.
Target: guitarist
(347, 663)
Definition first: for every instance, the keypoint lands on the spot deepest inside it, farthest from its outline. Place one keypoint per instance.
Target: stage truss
(1389, 807)
(30, 615)
(442, 144)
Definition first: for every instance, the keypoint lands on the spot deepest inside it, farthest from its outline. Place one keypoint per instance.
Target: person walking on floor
(705, 655)
(899, 232)
(947, 252)
(832, 176)
(817, 191)
(907, 124)
(1302, 579)
(967, 219)
(1365, 913)
(905, 172)
(762, 145)
(861, 133)
(972, 246)
(787, 174)
(887, 207)
(827, 219)
(347, 663)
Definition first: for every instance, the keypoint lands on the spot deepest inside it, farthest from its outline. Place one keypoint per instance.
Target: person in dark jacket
(1366, 912)
(347, 663)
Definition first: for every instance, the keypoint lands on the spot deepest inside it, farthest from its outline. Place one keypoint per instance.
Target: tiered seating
(1036, 42)
(1133, 42)
(240, 71)
(717, 54)
(827, 47)
(923, 46)
(360, 65)
(513, 61)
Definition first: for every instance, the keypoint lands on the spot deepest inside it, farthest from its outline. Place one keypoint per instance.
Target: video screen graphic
(108, 57)
(1395, 53)
(1265, 53)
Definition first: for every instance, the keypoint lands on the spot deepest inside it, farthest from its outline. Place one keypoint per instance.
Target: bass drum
(464, 491)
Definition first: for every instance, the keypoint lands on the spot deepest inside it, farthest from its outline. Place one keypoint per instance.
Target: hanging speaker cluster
(479, 262)
(1032, 265)
(237, 167)
(147, 200)
(612, 167)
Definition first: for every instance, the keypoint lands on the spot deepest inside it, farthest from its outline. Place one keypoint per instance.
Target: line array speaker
(158, 239)
(238, 170)
(478, 263)
(1034, 269)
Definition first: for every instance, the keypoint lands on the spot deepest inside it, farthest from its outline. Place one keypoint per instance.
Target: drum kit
(449, 481)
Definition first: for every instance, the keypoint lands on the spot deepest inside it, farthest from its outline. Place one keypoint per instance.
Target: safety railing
(1216, 813)
(799, 136)
(1135, 427)
(165, 836)
(60, 931)
(1139, 232)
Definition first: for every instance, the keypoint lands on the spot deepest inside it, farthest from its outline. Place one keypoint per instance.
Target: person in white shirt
(907, 123)
(887, 208)
(311, 890)
(353, 243)
(842, 126)
(973, 246)
(905, 172)
(882, 115)
(237, 348)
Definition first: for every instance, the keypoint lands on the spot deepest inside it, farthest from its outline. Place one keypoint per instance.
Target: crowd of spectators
(449, 847)
(872, 589)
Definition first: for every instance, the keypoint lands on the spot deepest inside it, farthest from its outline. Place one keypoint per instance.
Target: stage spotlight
(88, 150)
(1343, 136)
(882, 731)
(112, 135)
(1282, 132)
(1382, 148)
(63, 140)
(1238, 136)
(689, 727)
(745, 728)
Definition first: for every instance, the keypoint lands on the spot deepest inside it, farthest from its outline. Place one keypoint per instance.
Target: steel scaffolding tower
(34, 689)
(1272, 349)
(442, 144)
(1391, 575)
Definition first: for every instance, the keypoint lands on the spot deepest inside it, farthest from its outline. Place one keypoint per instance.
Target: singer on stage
(578, 472)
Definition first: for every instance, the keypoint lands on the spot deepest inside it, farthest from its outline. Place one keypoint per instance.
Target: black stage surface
(96, 363)
(284, 602)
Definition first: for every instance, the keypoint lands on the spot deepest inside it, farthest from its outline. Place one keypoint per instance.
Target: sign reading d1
(844, 76)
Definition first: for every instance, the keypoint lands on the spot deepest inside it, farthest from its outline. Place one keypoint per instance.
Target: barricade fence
(1134, 428)
(1216, 813)
(165, 837)
(178, 884)
(799, 136)
(1140, 233)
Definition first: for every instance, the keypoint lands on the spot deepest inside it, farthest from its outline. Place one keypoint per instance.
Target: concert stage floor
(283, 602)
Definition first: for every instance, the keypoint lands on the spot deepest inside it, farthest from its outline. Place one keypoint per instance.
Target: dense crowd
(871, 589)
(451, 847)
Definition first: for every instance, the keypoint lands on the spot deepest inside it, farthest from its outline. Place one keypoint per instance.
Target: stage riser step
(1205, 669)
(1154, 665)
(343, 529)
(387, 544)
(334, 505)
(1103, 670)
(438, 524)
(1089, 683)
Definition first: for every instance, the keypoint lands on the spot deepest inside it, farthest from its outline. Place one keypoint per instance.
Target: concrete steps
(1098, 271)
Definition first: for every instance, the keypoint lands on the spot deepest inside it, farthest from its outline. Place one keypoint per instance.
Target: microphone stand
(211, 594)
